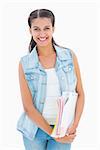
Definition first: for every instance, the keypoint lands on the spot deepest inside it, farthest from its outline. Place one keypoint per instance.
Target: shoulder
(67, 51)
(24, 58)
(76, 64)
(64, 53)
(29, 61)
(74, 57)
(24, 61)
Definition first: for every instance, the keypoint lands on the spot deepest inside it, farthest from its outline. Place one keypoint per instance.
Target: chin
(44, 44)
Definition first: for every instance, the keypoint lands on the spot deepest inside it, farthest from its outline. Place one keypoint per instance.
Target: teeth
(42, 39)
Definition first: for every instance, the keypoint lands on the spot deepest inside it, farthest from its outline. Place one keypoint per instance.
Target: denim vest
(36, 78)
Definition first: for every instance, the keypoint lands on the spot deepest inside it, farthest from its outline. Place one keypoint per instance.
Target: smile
(42, 39)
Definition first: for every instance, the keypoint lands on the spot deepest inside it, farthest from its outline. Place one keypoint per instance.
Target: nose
(42, 34)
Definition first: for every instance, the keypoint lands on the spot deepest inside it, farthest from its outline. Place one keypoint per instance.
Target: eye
(47, 28)
(36, 29)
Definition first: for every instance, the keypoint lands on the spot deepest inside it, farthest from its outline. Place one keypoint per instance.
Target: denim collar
(62, 55)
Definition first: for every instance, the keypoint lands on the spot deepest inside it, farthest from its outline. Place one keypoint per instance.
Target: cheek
(50, 33)
(34, 34)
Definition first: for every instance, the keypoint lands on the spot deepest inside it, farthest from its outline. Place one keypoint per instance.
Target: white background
(77, 27)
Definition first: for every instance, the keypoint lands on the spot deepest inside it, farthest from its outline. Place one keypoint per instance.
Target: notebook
(65, 116)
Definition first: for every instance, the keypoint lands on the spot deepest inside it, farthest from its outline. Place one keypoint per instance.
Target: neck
(45, 50)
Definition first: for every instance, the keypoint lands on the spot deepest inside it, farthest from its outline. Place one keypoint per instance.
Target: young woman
(42, 77)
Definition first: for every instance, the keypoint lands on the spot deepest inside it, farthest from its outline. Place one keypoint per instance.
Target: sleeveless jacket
(36, 78)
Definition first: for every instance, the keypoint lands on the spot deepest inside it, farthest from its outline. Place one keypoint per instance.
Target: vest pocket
(69, 70)
(32, 79)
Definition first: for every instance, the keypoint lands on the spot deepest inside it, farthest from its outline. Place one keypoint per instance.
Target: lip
(42, 39)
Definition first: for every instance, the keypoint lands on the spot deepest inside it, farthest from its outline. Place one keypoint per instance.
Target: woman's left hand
(66, 138)
(71, 129)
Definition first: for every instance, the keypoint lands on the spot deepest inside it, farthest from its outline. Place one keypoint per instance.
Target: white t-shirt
(52, 93)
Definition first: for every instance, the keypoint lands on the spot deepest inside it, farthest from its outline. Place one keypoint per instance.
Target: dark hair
(36, 14)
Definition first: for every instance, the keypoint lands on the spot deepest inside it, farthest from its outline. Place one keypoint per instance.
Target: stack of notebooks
(65, 117)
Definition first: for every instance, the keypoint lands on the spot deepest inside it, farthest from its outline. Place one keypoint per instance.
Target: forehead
(41, 22)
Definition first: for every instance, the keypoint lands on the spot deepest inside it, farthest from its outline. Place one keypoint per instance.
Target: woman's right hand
(66, 139)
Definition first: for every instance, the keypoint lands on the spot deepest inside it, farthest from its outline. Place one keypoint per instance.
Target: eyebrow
(38, 27)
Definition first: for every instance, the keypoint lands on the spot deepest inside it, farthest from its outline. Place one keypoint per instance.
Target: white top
(52, 93)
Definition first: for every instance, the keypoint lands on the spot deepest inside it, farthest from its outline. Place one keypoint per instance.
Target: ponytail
(31, 45)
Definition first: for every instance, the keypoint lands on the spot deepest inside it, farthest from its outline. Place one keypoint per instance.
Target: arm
(28, 105)
(79, 106)
(80, 100)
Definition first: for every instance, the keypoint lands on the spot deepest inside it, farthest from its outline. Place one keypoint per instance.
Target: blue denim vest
(37, 79)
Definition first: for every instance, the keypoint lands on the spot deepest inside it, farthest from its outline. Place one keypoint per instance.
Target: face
(42, 31)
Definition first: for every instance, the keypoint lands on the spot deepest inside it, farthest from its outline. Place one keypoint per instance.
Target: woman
(42, 77)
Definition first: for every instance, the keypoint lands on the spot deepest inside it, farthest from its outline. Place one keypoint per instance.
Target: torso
(50, 109)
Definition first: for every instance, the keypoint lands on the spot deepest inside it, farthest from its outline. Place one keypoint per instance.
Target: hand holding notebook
(66, 104)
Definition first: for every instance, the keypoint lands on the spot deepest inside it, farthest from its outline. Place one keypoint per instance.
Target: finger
(71, 131)
(72, 135)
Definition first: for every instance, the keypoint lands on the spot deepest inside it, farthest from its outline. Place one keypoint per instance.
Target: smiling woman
(43, 77)
(41, 25)
(42, 30)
